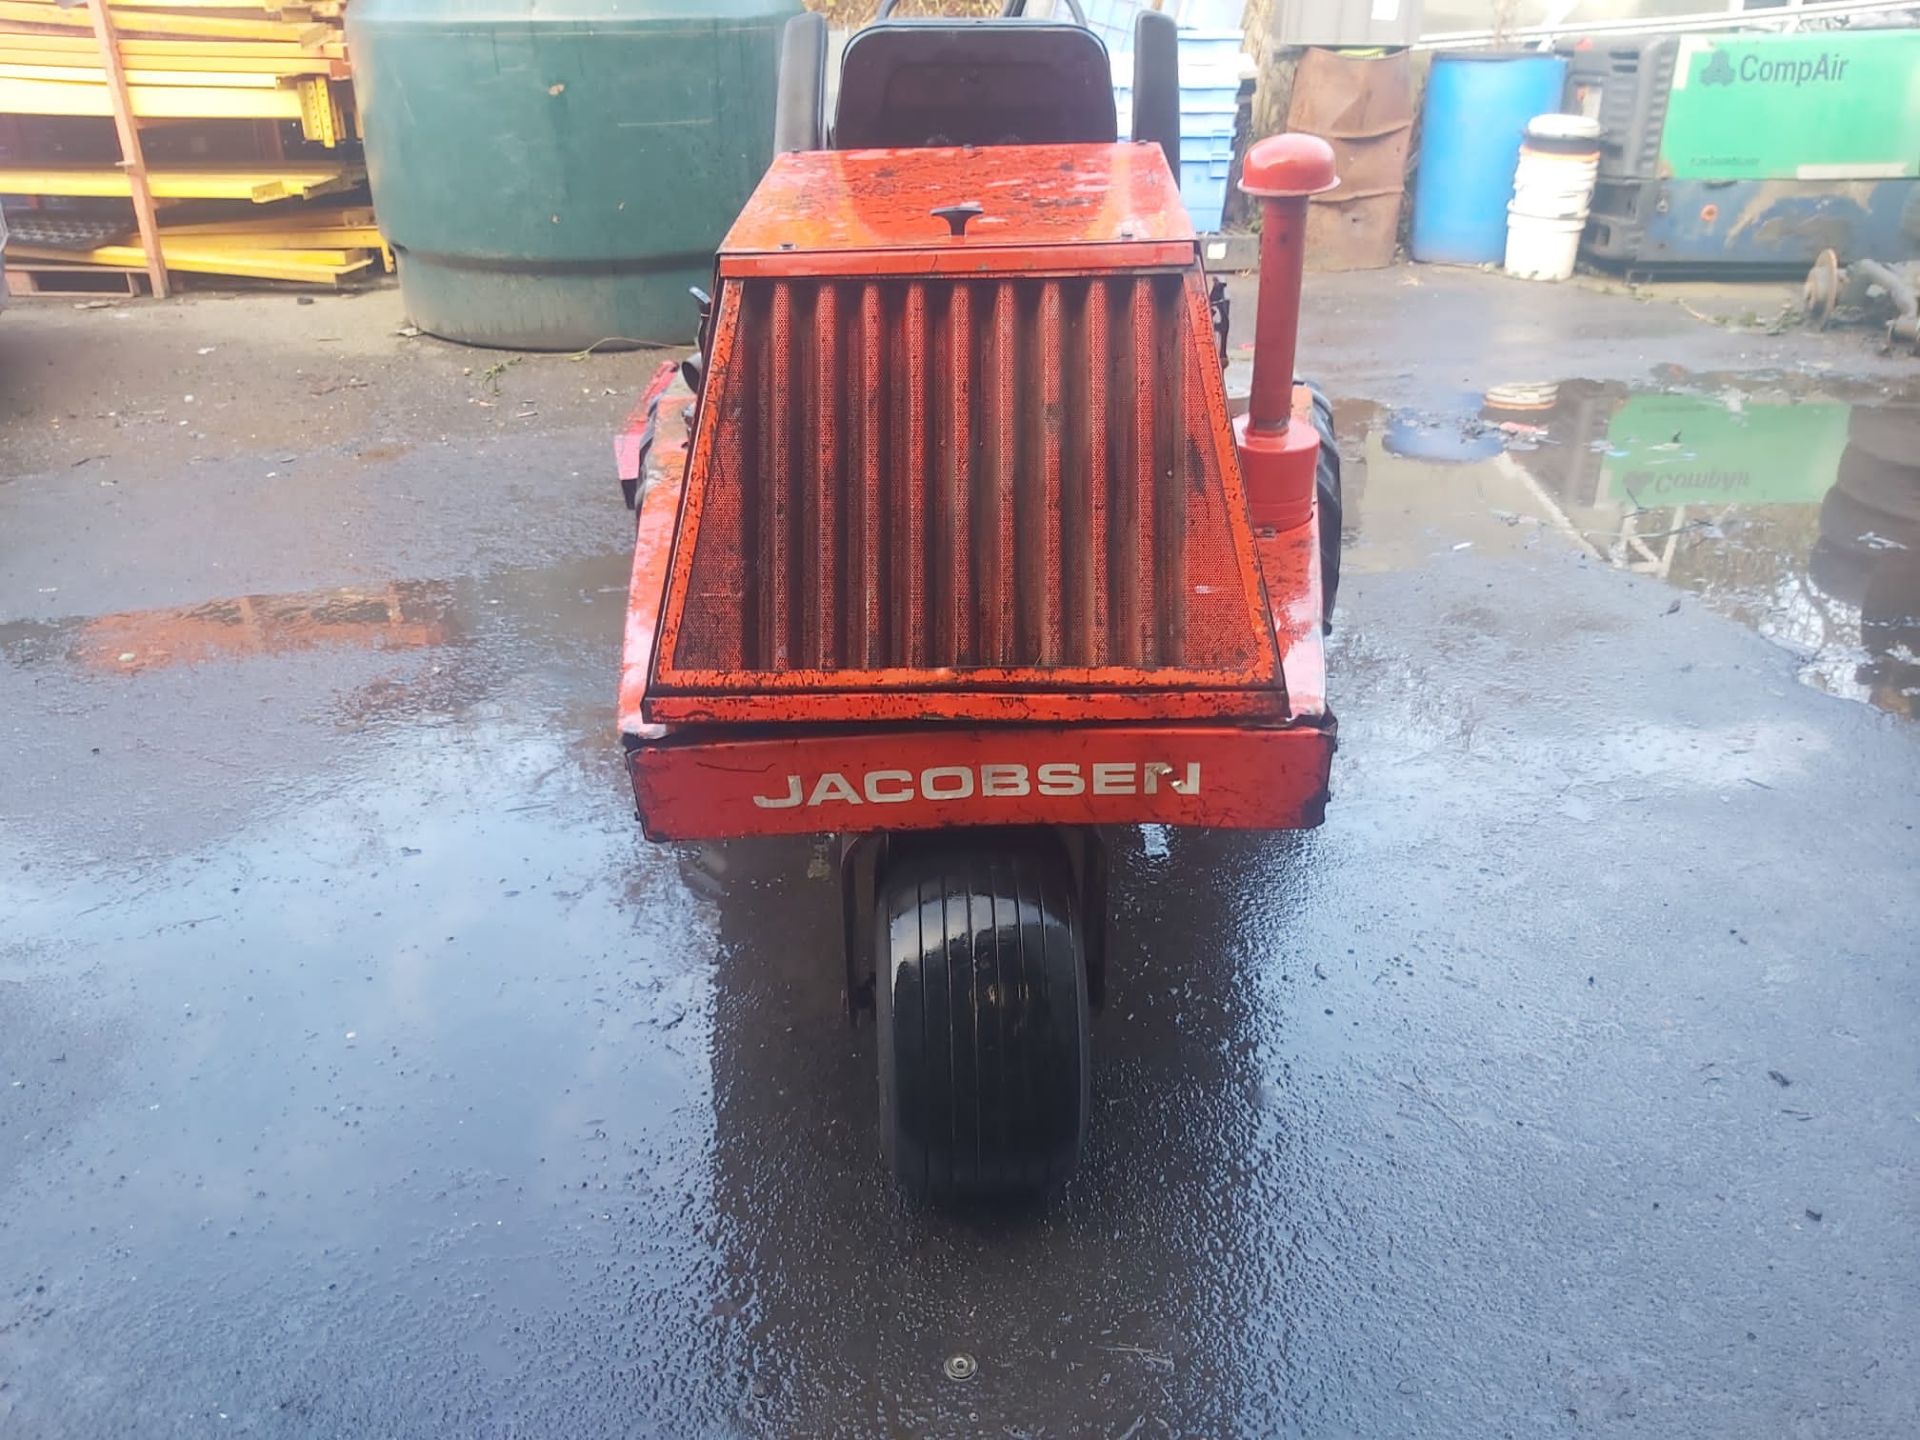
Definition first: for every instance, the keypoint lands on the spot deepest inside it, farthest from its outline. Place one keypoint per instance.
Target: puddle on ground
(400, 615)
(405, 615)
(1793, 510)
(152, 731)
(1790, 510)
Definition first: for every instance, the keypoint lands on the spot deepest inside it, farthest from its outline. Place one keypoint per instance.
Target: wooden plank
(65, 281)
(208, 247)
(280, 217)
(153, 22)
(149, 102)
(73, 74)
(300, 9)
(208, 182)
(303, 12)
(132, 159)
(296, 10)
(133, 47)
(158, 69)
(293, 237)
(323, 267)
(24, 47)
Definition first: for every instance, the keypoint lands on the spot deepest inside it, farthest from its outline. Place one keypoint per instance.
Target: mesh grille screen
(1009, 473)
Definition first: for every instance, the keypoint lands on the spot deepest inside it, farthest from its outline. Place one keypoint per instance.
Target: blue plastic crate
(1206, 147)
(1197, 142)
(1209, 111)
(1221, 96)
(1203, 189)
(1210, 57)
(1207, 122)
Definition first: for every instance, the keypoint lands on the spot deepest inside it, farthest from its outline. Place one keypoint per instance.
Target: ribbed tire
(982, 999)
(1327, 481)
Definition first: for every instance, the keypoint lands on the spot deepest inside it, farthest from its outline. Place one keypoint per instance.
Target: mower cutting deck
(963, 557)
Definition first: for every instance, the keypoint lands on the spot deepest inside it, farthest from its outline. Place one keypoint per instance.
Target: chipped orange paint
(964, 699)
(866, 212)
(1166, 255)
(850, 690)
(1290, 564)
(664, 481)
(1291, 561)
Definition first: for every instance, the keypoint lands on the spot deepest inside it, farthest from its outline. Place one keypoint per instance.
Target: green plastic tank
(554, 174)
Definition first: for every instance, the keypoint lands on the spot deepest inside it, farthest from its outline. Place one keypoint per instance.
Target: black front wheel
(982, 1000)
(1327, 482)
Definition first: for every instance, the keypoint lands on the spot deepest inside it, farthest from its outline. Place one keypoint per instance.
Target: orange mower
(950, 546)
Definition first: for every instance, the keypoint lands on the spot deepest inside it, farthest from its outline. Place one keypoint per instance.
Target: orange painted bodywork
(963, 496)
(928, 777)
(869, 212)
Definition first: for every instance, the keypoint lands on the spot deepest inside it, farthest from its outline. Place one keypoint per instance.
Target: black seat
(910, 83)
(1010, 81)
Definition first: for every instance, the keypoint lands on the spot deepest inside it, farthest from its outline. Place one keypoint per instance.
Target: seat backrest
(1156, 84)
(912, 83)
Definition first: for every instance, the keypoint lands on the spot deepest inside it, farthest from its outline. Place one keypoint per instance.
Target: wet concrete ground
(364, 1073)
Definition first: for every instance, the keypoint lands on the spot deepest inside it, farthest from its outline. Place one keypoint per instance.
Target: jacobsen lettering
(1000, 781)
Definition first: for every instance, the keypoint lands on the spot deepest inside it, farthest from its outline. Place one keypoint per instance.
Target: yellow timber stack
(216, 69)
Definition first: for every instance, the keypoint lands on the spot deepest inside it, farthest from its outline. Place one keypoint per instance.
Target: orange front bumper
(704, 785)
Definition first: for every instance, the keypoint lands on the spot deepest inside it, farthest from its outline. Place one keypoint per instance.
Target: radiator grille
(1015, 472)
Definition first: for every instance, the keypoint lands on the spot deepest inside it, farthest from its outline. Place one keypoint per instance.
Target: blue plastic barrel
(1476, 114)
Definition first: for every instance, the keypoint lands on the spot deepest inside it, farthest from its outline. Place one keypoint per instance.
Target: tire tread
(993, 1099)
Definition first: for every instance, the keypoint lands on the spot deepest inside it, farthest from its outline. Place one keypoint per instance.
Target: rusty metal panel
(1017, 481)
(1363, 107)
(1354, 232)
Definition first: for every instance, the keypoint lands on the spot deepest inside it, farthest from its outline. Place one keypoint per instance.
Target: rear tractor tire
(981, 993)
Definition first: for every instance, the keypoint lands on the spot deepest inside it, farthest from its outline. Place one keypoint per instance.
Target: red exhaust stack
(1278, 456)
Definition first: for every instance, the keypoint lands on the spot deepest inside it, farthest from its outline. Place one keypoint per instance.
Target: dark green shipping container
(553, 175)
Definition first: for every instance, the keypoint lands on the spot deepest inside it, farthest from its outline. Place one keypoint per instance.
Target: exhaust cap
(1286, 165)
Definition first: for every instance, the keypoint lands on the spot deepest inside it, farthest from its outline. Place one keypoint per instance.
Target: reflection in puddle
(399, 615)
(273, 699)
(1798, 515)
(403, 616)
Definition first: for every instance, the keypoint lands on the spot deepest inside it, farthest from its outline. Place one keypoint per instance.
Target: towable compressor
(961, 555)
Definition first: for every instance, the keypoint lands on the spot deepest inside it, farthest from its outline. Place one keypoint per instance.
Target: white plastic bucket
(1554, 187)
(1542, 247)
(1568, 129)
(1559, 163)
